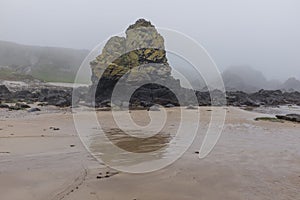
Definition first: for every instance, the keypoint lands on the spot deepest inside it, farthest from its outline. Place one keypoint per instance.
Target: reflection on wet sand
(137, 145)
(113, 145)
(116, 151)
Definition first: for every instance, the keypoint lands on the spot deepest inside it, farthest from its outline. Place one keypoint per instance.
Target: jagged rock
(203, 98)
(14, 108)
(26, 95)
(289, 117)
(267, 97)
(33, 110)
(22, 105)
(4, 90)
(19, 106)
(4, 93)
(240, 99)
(4, 105)
(60, 98)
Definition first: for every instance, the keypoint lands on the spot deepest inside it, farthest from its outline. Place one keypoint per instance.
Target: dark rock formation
(289, 117)
(33, 110)
(263, 97)
(22, 105)
(2, 105)
(50, 96)
(142, 53)
(61, 98)
(239, 98)
(4, 92)
(145, 97)
(275, 97)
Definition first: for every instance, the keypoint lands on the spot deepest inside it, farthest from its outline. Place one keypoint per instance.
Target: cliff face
(141, 52)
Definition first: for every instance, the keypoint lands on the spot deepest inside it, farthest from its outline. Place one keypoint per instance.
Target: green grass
(8, 74)
(53, 76)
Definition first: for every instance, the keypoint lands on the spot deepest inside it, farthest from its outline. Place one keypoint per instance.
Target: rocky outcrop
(146, 96)
(142, 54)
(4, 91)
(239, 98)
(61, 97)
(289, 117)
(263, 97)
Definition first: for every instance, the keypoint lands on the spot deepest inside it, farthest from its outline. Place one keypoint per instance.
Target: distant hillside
(243, 78)
(11, 75)
(44, 63)
(291, 84)
(249, 80)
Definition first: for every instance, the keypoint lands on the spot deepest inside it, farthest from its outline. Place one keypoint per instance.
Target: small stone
(14, 108)
(169, 105)
(34, 110)
(154, 108)
(190, 107)
(22, 105)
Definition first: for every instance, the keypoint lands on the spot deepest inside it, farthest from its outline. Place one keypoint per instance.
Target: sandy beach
(42, 157)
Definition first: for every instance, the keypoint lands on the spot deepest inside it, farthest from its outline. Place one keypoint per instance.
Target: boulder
(14, 108)
(60, 98)
(4, 93)
(22, 105)
(289, 117)
(154, 108)
(2, 105)
(191, 107)
(33, 110)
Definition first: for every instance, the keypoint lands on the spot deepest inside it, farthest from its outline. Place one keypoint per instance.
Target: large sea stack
(142, 52)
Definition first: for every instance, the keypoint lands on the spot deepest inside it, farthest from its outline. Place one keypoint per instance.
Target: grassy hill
(45, 63)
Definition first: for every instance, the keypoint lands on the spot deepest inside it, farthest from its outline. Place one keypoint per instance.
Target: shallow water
(142, 147)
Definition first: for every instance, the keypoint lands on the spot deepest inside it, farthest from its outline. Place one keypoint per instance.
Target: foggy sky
(262, 34)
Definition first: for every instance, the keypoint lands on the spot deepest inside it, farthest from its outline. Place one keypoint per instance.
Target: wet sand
(252, 160)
